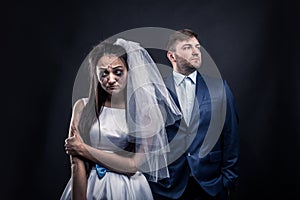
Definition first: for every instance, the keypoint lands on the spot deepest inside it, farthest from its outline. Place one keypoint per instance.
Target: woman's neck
(115, 101)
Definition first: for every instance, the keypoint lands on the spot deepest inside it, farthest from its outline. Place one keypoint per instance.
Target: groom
(193, 174)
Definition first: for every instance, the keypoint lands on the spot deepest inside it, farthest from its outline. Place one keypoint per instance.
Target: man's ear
(171, 56)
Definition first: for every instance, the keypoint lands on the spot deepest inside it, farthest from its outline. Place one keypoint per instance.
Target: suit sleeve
(231, 142)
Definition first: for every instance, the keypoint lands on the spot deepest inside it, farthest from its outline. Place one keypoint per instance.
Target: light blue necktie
(186, 99)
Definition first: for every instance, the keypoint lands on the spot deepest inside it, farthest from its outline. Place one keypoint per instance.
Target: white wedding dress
(112, 186)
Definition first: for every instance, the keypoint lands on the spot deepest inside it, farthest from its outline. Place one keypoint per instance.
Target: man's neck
(185, 71)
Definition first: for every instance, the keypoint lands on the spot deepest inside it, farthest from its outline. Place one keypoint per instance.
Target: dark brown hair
(97, 95)
(179, 35)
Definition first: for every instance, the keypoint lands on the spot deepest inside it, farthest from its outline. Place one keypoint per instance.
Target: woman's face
(112, 73)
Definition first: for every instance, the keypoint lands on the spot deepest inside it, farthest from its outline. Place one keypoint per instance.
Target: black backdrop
(253, 43)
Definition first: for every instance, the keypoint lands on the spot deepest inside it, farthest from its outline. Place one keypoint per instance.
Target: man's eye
(186, 48)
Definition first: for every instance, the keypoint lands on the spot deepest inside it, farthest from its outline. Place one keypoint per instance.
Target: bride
(117, 139)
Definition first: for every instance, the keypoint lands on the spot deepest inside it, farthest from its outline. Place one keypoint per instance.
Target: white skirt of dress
(114, 186)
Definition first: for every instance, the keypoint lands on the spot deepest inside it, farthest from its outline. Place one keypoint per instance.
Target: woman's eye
(103, 74)
(118, 72)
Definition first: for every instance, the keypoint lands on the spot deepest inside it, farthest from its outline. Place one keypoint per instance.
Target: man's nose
(196, 51)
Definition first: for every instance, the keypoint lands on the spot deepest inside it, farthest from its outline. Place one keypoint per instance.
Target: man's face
(187, 54)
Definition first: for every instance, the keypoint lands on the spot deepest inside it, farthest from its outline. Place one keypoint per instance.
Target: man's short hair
(180, 35)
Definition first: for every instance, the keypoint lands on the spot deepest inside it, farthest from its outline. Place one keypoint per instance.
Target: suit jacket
(219, 167)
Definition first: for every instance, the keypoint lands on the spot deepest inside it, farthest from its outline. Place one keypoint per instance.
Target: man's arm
(231, 142)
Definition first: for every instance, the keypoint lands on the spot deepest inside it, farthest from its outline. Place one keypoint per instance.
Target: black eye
(118, 72)
(103, 73)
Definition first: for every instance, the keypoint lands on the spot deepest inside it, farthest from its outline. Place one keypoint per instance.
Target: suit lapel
(201, 90)
(169, 81)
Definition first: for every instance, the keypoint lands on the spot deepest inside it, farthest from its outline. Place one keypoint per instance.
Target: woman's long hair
(97, 95)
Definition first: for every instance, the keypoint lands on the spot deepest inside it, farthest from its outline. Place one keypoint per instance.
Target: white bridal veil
(150, 109)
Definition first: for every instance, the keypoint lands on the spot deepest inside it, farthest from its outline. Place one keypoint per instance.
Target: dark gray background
(254, 44)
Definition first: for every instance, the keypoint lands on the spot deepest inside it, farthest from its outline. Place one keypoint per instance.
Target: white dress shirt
(185, 88)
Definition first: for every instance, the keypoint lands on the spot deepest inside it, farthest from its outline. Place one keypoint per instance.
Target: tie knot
(187, 78)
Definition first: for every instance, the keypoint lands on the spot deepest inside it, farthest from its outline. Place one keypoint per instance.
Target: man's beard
(185, 66)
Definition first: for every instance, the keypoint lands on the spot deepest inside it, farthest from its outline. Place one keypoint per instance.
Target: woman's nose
(111, 79)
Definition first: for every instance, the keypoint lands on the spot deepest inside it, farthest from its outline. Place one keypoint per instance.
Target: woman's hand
(74, 145)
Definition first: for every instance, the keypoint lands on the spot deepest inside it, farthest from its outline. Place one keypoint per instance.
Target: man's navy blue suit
(219, 168)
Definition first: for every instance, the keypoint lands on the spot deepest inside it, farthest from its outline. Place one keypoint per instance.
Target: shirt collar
(193, 76)
(178, 78)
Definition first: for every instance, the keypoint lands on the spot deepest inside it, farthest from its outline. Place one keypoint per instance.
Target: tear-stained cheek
(102, 80)
(121, 79)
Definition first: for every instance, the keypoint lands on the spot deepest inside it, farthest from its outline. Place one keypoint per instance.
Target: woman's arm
(113, 161)
(78, 170)
(145, 159)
